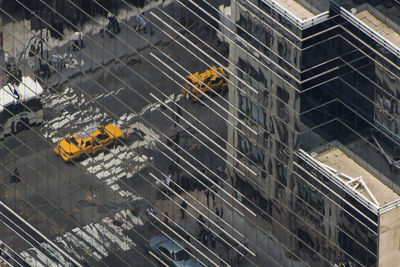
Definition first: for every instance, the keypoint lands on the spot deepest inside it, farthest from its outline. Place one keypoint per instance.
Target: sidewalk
(93, 55)
(268, 251)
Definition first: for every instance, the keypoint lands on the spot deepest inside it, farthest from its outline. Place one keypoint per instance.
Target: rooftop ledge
(379, 26)
(297, 12)
(296, 8)
(375, 25)
(354, 179)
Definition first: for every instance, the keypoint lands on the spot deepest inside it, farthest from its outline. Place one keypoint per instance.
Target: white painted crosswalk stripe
(111, 163)
(94, 169)
(135, 220)
(30, 259)
(124, 242)
(81, 244)
(111, 180)
(69, 248)
(103, 174)
(91, 240)
(57, 255)
(115, 187)
(38, 258)
(122, 174)
(117, 170)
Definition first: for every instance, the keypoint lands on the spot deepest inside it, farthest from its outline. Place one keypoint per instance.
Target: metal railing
(368, 31)
(339, 182)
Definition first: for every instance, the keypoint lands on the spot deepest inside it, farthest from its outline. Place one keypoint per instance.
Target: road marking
(117, 170)
(108, 156)
(115, 187)
(99, 156)
(122, 174)
(30, 259)
(124, 242)
(37, 257)
(102, 95)
(81, 244)
(112, 163)
(136, 220)
(68, 248)
(94, 169)
(56, 254)
(111, 180)
(91, 240)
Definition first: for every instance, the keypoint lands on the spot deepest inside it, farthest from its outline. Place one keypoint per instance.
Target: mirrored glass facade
(320, 83)
(199, 133)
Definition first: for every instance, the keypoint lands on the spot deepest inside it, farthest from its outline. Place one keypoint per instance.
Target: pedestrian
(207, 192)
(217, 214)
(160, 188)
(57, 61)
(141, 23)
(16, 75)
(44, 69)
(239, 253)
(166, 217)
(212, 241)
(200, 222)
(205, 238)
(113, 25)
(7, 60)
(158, 184)
(32, 51)
(246, 245)
(183, 209)
(8, 68)
(213, 197)
(168, 184)
(222, 212)
(77, 39)
(15, 177)
(171, 168)
(39, 49)
(150, 212)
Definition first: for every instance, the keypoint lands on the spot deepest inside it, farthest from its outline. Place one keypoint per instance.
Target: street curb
(93, 69)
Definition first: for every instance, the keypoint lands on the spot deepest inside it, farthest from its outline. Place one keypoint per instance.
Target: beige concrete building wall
(389, 238)
(278, 116)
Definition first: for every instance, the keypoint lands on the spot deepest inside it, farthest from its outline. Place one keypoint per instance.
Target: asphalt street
(94, 208)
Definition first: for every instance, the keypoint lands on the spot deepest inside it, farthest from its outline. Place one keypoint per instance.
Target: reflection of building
(314, 82)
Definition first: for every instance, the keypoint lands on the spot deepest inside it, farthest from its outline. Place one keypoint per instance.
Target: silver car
(172, 252)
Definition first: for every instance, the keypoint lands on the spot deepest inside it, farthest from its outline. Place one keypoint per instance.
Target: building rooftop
(349, 171)
(380, 27)
(296, 9)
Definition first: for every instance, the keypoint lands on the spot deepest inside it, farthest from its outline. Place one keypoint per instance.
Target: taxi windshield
(72, 140)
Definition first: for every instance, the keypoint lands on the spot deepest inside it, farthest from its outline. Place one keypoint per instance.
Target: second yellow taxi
(209, 82)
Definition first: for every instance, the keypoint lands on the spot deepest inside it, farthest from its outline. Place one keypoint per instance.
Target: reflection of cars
(89, 142)
(9, 257)
(208, 82)
(172, 252)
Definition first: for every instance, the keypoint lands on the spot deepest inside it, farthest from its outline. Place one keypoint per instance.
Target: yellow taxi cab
(209, 82)
(90, 141)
